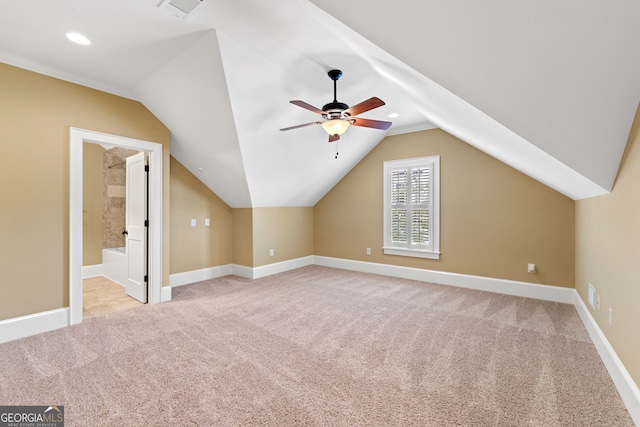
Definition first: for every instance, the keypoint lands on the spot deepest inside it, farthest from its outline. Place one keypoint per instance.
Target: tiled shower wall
(114, 196)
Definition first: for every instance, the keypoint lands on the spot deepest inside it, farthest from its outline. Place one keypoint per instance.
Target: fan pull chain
(336, 150)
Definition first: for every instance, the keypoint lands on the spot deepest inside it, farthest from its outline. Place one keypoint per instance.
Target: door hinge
(146, 168)
(146, 278)
(146, 222)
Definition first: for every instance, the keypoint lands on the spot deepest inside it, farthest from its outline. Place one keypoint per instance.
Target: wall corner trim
(165, 294)
(629, 391)
(33, 324)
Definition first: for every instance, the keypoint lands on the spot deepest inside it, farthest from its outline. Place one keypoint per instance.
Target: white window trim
(432, 162)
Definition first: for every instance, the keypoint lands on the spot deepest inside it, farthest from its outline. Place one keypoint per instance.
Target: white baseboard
(33, 324)
(165, 294)
(92, 271)
(270, 269)
(179, 279)
(489, 284)
(629, 391)
(242, 271)
(281, 267)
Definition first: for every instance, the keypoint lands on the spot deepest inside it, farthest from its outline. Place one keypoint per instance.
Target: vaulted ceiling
(547, 87)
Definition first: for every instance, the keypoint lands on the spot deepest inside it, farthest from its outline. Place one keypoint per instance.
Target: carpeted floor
(320, 347)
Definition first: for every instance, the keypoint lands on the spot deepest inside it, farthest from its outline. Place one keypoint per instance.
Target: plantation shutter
(420, 206)
(412, 207)
(410, 210)
(399, 208)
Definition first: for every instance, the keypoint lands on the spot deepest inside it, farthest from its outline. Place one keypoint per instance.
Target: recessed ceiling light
(393, 115)
(78, 38)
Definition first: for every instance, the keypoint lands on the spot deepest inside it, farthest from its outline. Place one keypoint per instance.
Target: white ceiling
(548, 87)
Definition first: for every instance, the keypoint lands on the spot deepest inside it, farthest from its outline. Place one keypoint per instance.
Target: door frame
(77, 137)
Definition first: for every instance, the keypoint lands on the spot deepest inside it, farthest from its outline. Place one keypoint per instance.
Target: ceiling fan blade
(307, 106)
(367, 105)
(301, 126)
(368, 123)
(333, 138)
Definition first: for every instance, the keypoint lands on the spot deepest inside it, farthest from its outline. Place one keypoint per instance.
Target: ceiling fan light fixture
(335, 126)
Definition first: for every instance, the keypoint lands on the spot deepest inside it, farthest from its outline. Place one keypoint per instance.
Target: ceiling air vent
(180, 8)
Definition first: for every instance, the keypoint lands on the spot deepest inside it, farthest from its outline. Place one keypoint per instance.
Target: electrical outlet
(531, 268)
(610, 316)
(591, 296)
(207, 222)
(368, 251)
(193, 222)
(271, 252)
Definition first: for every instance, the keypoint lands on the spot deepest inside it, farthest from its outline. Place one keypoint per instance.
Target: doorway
(76, 141)
(101, 296)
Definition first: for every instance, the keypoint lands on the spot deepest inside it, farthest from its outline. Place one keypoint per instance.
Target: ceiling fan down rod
(335, 75)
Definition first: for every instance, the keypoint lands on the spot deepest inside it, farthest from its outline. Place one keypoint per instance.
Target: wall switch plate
(193, 222)
(591, 296)
(207, 222)
(271, 252)
(368, 251)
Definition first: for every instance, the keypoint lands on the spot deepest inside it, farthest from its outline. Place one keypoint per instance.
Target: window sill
(411, 253)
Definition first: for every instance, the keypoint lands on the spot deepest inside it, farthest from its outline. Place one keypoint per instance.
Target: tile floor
(100, 296)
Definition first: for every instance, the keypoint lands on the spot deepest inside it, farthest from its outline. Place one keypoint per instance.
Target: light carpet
(320, 347)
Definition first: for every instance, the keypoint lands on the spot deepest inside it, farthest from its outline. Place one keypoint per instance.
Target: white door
(136, 231)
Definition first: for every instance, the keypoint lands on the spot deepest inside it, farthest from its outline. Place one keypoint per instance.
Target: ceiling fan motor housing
(332, 108)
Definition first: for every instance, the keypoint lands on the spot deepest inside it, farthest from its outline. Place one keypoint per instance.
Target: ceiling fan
(338, 116)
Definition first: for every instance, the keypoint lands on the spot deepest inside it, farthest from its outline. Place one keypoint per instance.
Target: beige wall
(194, 248)
(37, 112)
(286, 230)
(243, 236)
(607, 255)
(494, 219)
(92, 182)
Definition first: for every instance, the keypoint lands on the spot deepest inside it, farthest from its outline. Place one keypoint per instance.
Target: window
(412, 207)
